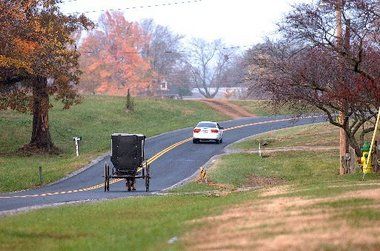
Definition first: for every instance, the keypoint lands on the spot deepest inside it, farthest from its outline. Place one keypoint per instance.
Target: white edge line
(32, 208)
(58, 204)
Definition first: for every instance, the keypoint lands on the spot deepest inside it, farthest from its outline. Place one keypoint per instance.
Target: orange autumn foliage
(25, 46)
(110, 58)
(38, 61)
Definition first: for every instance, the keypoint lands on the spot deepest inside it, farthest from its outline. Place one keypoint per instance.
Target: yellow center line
(149, 161)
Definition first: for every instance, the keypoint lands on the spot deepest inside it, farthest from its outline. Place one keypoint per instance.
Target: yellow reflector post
(367, 164)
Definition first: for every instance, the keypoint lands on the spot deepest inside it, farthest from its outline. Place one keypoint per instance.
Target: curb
(206, 166)
(92, 163)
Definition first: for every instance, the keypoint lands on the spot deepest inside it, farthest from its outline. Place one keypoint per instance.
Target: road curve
(174, 158)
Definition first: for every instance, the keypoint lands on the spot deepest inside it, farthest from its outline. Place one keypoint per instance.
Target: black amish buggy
(128, 160)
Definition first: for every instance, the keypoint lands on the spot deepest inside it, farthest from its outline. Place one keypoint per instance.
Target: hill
(94, 120)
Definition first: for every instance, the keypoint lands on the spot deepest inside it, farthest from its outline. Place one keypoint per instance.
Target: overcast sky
(237, 22)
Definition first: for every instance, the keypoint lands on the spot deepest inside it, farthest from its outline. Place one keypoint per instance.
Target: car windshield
(208, 125)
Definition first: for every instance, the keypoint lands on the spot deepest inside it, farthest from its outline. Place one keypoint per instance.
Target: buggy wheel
(106, 178)
(128, 184)
(147, 178)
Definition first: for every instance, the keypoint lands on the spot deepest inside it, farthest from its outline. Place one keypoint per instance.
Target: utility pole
(343, 142)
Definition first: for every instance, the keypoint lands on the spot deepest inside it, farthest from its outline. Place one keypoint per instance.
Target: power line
(182, 51)
(69, 1)
(153, 6)
(135, 7)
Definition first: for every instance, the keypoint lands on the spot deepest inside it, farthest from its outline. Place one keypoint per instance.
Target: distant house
(165, 90)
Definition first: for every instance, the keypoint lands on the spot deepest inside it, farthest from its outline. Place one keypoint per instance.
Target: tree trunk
(41, 138)
(343, 142)
(354, 145)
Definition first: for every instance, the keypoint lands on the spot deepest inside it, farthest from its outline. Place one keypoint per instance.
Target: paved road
(172, 167)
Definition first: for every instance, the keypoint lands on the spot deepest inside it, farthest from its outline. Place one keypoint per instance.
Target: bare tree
(234, 73)
(309, 67)
(163, 51)
(207, 62)
(181, 78)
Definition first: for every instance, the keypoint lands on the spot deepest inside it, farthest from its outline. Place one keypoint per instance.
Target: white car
(208, 130)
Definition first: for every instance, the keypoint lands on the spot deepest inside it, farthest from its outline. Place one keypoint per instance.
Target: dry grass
(288, 223)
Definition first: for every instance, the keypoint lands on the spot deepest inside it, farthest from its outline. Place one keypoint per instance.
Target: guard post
(41, 178)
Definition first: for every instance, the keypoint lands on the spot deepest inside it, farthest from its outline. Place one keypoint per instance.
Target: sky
(236, 22)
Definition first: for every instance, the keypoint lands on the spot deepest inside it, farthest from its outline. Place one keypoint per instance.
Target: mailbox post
(76, 140)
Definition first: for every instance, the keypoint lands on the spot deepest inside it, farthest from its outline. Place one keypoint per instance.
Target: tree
(38, 59)
(207, 63)
(234, 73)
(130, 104)
(181, 76)
(309, 67)
(163, 51)
(111, 57)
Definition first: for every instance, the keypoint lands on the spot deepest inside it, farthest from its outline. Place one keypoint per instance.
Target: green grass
(313, 171)
(266, 108)
(360, 216)
(295, 167)
(322, 134)
(298, 168)
(129, 224)
(95, 120)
